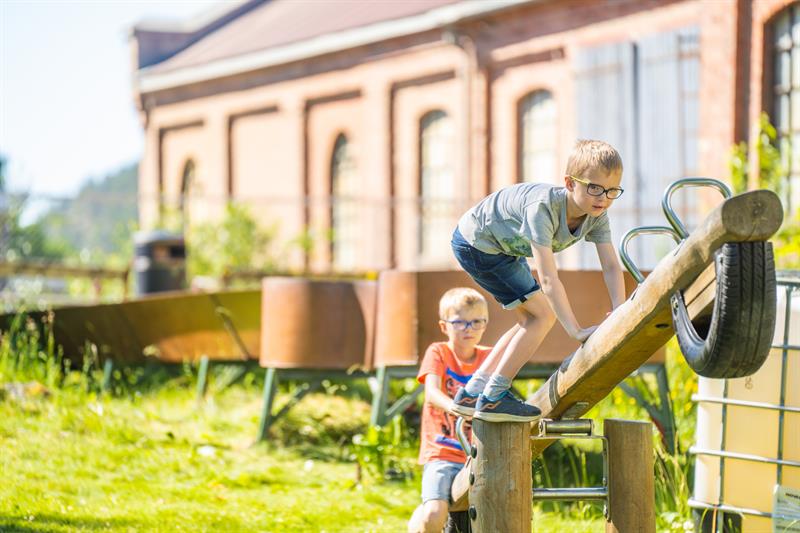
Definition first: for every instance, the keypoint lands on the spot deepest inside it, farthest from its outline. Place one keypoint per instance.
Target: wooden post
(631, 482)
(501, 493)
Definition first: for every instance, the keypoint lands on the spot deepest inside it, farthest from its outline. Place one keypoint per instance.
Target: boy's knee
(434, 515)
(542, 314)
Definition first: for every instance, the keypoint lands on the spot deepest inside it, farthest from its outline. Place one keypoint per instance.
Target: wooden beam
(699, 296)
(643, 324)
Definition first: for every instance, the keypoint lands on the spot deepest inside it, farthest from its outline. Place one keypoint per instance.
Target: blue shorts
(437, 478)
(505, 277)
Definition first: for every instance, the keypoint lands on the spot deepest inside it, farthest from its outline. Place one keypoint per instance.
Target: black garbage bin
(159, 262)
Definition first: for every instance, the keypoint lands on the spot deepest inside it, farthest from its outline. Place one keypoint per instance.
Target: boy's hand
(583, 334)
(451, 410)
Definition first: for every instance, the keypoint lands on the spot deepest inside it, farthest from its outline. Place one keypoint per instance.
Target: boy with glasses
(535, 220)
(445, 367)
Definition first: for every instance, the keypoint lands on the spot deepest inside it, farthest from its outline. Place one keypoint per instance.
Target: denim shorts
(505, 277)
(437, 478)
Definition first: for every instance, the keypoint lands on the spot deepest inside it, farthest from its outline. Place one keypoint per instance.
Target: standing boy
(446, 366)
(535, 220)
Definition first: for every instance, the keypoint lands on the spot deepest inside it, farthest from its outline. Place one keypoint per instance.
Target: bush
(322, 419)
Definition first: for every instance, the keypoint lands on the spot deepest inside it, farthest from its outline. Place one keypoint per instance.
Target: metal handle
(644, 230)
(462, 437)
(673, 219)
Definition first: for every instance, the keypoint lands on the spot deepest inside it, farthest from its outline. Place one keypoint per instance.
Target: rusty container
(187, 327)
(170, 327)
(317, 324)
(408, 314)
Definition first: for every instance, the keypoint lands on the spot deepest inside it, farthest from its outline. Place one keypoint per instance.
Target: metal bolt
(473, 513)
(473, 451)
(472, 478)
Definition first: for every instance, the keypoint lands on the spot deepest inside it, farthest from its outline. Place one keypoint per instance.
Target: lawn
(158, 461)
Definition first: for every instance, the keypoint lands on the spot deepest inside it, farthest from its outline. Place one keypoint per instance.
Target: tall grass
(28, 351)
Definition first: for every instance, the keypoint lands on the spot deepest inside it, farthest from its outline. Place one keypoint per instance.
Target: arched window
(437, 186)
(187, 181)
(538, 132)
(344, 213)
(786, 98)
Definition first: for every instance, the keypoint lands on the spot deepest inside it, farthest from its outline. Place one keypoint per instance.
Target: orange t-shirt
(438, 439)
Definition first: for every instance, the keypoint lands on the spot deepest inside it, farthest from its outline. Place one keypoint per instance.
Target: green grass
(158, 462)
(161, 464)
(152, 459)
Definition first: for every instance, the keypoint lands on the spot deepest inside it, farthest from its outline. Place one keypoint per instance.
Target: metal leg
(297, 395)
(379, 399)
(400, 405)
(202, 378)
(231, 374)
(108, 374)
(666, 409)
(270, 387)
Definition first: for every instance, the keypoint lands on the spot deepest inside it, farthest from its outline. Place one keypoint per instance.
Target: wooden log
(643, 324)
(502, 489)
(631, 485)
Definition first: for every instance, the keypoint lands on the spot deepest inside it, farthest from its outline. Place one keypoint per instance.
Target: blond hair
(459, 298)
(592, 155)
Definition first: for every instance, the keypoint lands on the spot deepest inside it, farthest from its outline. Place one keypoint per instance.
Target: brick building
(375, 124)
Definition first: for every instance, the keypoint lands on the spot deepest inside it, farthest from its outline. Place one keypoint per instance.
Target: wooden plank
(699, 296)
(641, 325)
(707, 278)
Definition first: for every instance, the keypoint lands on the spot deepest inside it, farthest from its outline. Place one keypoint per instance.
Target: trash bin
(159, 262)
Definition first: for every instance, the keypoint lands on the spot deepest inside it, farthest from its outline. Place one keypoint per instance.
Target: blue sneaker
(506, 408)
(464, 403)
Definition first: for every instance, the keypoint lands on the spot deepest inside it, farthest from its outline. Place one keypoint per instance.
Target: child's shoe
(506, 408)
(464, 403)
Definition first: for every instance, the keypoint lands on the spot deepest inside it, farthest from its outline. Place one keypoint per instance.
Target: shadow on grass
(44, 523)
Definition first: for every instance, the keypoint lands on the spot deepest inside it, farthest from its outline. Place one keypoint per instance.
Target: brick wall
(268, 136)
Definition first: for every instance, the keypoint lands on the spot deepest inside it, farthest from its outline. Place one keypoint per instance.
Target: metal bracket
(666, 200)
(643, 230)
(581, 428)
(462, 437)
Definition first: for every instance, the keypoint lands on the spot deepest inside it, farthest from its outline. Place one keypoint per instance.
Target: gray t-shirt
(507, 221)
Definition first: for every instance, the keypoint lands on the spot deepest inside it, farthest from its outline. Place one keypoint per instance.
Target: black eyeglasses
(462, 325)
(598, 190)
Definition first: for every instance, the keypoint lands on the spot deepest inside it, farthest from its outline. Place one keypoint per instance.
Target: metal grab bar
(643, 230)
(666, 200)
(462, 437)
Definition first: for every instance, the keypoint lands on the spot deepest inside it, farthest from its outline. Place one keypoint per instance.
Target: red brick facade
(266, 136)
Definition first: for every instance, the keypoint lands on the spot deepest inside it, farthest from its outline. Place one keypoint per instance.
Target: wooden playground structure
(305, 331)
(620, 345)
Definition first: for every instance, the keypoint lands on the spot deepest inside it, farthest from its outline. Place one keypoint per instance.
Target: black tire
(735, 340)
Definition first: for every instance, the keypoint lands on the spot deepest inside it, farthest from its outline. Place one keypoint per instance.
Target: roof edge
(147, 81)
(192, 24)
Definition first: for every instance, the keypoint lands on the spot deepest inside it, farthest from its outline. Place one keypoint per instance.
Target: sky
(67, 112)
